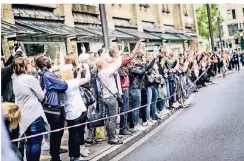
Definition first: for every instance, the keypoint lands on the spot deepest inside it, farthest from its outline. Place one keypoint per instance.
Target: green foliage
(202, 21)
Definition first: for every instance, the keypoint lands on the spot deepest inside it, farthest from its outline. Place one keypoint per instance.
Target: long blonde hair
(66, 72)
(12, 114)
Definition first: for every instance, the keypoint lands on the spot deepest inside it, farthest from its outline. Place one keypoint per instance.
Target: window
(233, 14)
(232, 29)
(243, 12)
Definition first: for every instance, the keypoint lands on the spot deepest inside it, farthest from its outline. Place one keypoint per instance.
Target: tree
(202, 21)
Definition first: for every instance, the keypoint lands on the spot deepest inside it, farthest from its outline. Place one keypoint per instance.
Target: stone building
(233, 15)
(68, 26)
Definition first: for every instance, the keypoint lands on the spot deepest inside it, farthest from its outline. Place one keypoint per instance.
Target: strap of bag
(115, 78)
(107, 89)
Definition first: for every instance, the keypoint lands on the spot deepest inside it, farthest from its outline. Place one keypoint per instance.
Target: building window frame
(233, 12)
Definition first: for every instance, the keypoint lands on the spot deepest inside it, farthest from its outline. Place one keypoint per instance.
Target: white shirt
(74, 105)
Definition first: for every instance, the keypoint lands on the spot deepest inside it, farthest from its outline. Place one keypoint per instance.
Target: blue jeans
(163, 100)
(123, 118)
(135, 102)
(33, 146)
(154, 101)
(152, 96)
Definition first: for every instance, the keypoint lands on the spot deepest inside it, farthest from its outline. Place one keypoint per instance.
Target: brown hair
(12, 114)
(70, 59)
(111, 52)
(20, 65)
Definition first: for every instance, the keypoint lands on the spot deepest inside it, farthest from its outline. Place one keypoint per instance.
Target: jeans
(154, 101)
(76, 135)
(171, 92)
(56, 122)
(163, 100)
(123, 118)
(152, 96)
(112, 109)
(135, 103)
(33, 146)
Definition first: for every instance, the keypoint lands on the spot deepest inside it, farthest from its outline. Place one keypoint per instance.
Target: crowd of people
(142, 87)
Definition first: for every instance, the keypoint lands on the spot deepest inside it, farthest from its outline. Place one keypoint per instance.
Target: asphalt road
(212, 129)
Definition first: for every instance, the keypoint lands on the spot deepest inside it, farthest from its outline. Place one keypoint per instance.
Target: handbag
(87, 96)
(93, 117)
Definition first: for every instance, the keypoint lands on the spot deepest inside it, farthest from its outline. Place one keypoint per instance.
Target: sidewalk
(104, 151)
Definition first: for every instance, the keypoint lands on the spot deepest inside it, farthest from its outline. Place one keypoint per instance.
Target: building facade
(233, 15)
(69, 26)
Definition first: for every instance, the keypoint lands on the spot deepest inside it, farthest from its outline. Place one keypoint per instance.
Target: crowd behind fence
(111, 90)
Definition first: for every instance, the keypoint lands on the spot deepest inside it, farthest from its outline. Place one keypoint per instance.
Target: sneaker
(125, 132)
(174, 105)
(166, 110)
(152, 121)
(131, 130)
(46, 146)
(149, 123)
(83, 151)
(139, 128)
(156, 118)
(87, 150)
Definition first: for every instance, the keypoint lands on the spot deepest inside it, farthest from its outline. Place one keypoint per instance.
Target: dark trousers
(171, 91)
(237, 66)
(56, 122)
(76, 135)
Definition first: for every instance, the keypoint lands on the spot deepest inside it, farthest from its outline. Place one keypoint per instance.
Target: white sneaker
(174, 105)
(83, 151)
(88, 150)
(139, 128)
(46, 146)
(152, 121)
(147, 123)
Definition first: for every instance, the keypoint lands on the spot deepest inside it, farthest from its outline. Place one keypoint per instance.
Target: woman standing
(75, 110)
(29, 95)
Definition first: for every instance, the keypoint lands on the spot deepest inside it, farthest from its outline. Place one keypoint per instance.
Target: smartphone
(16, 45)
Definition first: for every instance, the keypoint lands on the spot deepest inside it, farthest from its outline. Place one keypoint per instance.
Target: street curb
(115, 150)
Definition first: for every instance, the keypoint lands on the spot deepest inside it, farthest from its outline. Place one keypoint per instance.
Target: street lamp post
(104, 25)
(220, 38)
(210, 27)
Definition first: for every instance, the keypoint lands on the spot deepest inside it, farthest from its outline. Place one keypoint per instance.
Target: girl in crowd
(12, 119)
(29, 95)
(75, 110)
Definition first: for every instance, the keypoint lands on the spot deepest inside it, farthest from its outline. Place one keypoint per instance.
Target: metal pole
(210, 27)
(104, 25)
(220, 38)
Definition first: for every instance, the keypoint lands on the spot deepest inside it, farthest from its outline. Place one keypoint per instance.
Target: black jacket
(7, 85)
(137, 74)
